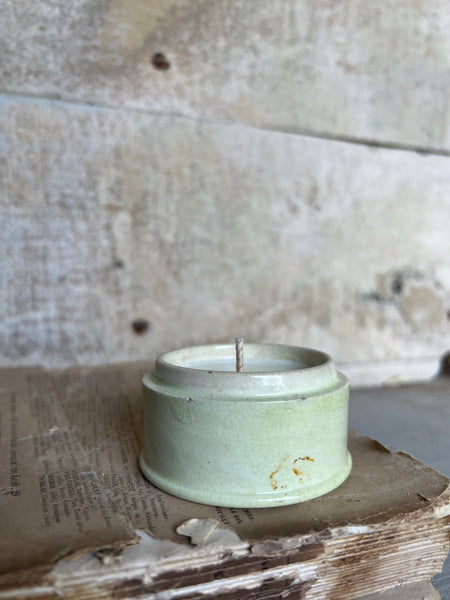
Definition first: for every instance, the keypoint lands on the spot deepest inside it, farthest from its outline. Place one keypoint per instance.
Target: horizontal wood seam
(321, 135)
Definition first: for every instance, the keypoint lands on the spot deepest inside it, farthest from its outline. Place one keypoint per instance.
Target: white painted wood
(212, 231)
(367, 70)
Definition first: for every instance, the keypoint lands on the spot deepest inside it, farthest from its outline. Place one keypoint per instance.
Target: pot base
(232, 499)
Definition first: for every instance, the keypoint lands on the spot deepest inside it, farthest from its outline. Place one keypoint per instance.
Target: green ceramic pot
(273, 434)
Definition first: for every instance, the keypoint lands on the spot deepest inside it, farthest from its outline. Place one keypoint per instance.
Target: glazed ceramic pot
(273, 434)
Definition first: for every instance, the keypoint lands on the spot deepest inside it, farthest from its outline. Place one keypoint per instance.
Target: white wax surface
(251, 365)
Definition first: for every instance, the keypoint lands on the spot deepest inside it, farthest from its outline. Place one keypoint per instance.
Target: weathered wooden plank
(211, 231)
(370, 70)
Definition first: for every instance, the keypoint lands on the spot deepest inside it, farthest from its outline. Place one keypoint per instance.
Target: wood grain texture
(374, 71)
(209, 231)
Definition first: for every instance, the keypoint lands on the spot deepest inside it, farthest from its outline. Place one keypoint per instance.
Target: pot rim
(316, 371)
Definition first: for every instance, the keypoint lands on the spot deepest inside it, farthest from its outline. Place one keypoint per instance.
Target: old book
(78, 519)
(418, 591)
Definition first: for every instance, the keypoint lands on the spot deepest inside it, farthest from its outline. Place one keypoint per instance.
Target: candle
(246, 426)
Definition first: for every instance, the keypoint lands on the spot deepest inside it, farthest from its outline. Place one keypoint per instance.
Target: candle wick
(239, 343)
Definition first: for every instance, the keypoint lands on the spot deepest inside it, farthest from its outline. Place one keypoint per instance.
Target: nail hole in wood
(140, 326)
(160, 62)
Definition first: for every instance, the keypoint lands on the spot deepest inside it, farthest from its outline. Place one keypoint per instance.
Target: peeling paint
(208, 532)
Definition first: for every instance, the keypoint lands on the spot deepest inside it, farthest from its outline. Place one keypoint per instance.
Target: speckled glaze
(256, 438)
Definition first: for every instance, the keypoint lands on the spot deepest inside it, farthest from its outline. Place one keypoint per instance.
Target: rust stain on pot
(297, 472)
(273, 481)
(303, 458)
